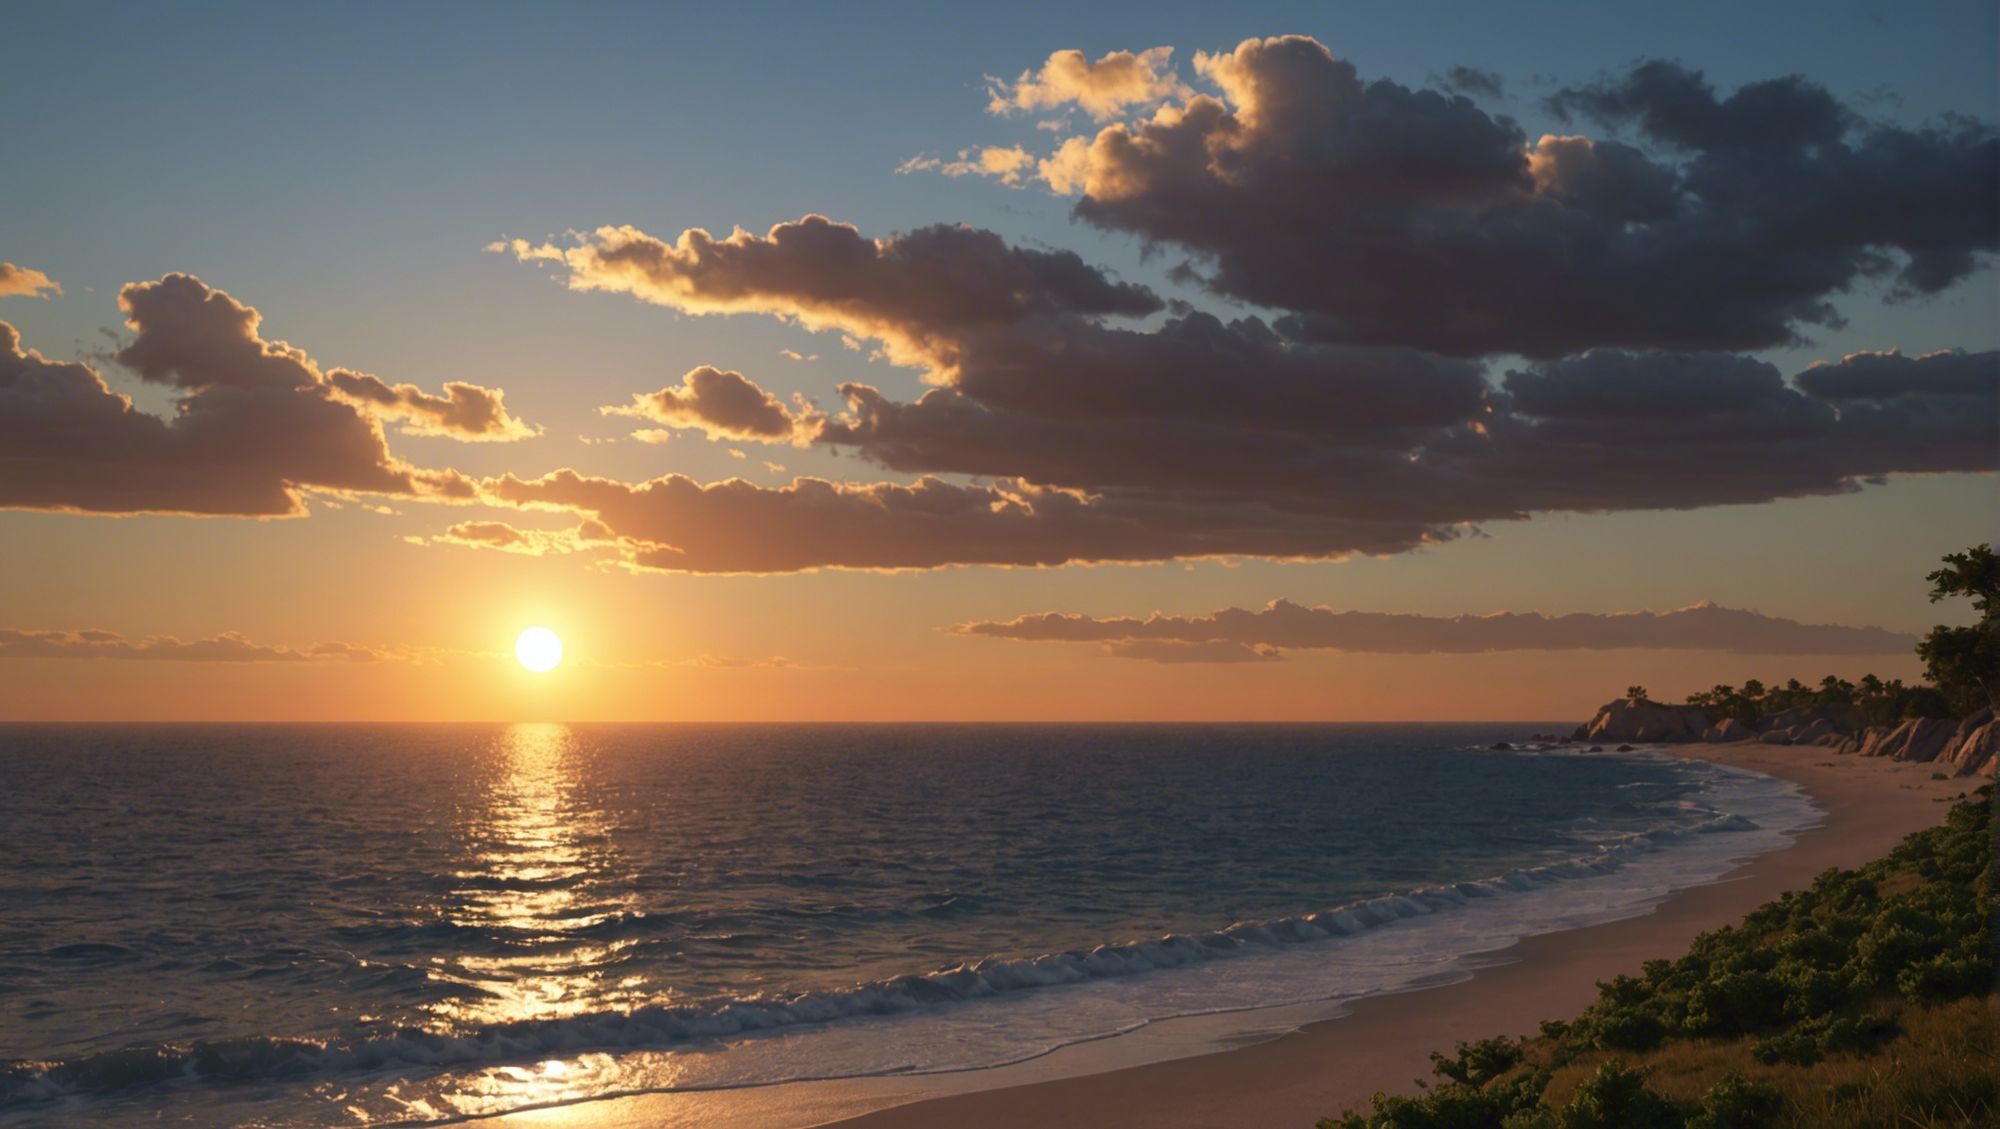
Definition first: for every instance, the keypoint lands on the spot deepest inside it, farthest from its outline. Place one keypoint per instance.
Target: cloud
(1380, 214)
(1024, 329)
(916, 293)
(507, 538)
(254, 426)
(724, 405)
(1402, 236)
(1178, 651)
(1475, 82)
(228, 647)
(1103, 89)
(1609, 430)
(733, 662)
(1236, 438)
(1010, 165)
(676, 524)
(1238, 634)
(1953, 374)
(26, 282)
(466, 411)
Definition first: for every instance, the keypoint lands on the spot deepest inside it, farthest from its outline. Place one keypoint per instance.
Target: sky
(346, 342)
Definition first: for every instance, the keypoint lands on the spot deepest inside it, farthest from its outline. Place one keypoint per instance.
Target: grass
(1866, 1001)
(1941, 1070)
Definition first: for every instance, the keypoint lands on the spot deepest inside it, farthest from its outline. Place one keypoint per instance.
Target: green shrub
(1736, 1103)
(1811, 977)
(1617, 1098)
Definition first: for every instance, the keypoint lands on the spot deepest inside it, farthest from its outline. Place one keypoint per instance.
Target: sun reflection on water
(541, 872)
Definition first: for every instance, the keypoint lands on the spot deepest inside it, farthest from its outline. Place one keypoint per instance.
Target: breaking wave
(258, 1059)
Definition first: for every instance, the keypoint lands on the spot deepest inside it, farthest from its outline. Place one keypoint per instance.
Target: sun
(538, 649)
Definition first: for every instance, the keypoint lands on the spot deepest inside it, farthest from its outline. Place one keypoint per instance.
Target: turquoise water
(356, 924)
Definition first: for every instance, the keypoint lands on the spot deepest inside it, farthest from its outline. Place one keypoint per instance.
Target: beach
(1291, 1072)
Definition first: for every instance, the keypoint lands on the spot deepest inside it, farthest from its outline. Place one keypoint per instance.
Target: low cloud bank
(1242, 635)
(228, 647)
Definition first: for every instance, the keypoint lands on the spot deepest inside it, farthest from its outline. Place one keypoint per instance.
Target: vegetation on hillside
(1864, 1001)
(1870, 701)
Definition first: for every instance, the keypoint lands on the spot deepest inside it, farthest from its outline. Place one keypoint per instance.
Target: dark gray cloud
(1232, 436)
(255, 422)
(1609, 430)
(1239, 634)
(1950, 374)
(679, 525)
(1406, 231)
(1475, 82)
(1385, 215)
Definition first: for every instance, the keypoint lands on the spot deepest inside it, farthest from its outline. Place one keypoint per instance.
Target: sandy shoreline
(1379, 1043)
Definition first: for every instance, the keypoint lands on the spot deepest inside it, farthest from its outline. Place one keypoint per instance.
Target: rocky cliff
(1626, 720)
(1967, 747)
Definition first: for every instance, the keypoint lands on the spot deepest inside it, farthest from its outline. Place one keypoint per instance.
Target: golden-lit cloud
(501, 536)
(1103, 89)
(1240, 635)
(228, 647)
(1380, 213)
(676, 524)
(255, 424)
(1406, 239)
(1010, 164)
(1201, 437)
(26, 282)
(466, 411)
(724, 405)
(918, 294)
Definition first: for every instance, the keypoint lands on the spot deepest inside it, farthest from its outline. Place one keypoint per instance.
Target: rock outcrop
(1970, 747)
(1730, 729)
(1626, 720)
(1918, 739)
(1974, 750)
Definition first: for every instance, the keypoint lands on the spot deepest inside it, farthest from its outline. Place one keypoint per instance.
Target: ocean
(321, 925)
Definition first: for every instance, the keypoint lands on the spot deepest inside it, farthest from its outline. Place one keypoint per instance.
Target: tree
(1964, 662)
(1635, 695)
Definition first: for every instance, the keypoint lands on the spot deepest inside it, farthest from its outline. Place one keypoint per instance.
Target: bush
(1736, 1103)
(1945, 977)
(1617, 1098)
(1478, 1063)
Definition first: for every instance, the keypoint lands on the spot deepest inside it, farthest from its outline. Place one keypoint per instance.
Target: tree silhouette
(1964, 662)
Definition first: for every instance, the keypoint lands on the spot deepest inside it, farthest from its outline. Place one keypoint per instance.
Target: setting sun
(539, 649)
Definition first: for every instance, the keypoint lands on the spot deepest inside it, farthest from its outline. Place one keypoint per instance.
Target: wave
(260, 1059)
